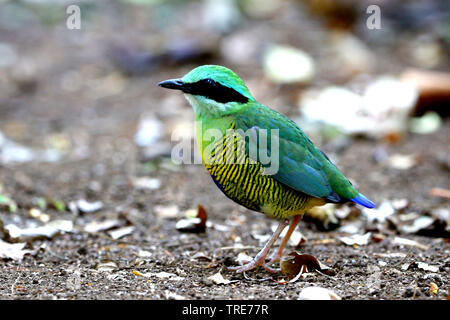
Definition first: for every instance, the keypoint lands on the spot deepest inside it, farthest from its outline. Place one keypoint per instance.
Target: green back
(302, 166)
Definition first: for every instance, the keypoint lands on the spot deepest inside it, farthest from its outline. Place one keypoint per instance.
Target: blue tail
(362, 200)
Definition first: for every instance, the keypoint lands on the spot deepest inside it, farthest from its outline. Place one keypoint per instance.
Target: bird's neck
(213, 119)
(211, 131)
(205, 108)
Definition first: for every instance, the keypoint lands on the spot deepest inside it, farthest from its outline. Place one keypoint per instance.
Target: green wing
(302, 166)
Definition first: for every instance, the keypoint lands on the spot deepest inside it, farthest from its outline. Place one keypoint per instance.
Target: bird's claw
(252, 265)
(270, 269)
(274, 258)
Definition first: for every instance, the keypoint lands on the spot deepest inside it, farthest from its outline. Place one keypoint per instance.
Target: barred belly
(243, 182)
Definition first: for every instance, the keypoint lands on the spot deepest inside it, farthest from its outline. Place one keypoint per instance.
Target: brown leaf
(298, 263)
(202, 215)
(194, 225)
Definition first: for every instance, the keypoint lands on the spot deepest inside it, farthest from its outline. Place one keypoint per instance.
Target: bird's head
(212, 90)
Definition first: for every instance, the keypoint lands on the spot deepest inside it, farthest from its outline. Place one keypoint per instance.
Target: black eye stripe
(214, 90)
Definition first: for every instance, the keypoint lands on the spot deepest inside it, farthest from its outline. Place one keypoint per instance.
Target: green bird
(237, 135)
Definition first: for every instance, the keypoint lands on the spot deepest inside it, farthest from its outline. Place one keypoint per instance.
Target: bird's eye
(209, 82)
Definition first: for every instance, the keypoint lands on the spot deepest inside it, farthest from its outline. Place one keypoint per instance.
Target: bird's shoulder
(259, 116)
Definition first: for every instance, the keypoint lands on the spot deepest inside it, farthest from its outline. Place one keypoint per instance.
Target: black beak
(176, 84)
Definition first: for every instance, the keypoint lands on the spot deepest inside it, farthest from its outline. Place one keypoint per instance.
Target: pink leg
(276, 256)
(260, 258)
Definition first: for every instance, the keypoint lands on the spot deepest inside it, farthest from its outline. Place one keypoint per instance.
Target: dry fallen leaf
(97, 226)
(390, 255)
(219, 279)
(406, 266)
(88, 207)
(297, 238)
(427, 267)
(200, 256)
(418, 224)
(243, 258)
(350, 228)
(400, 204)
(434, 289)
(420, 265)
(121, 232)
(357, 239)
(408, 242)
(106, 266)
(380, 213)
(144, 254)
(196, 224)
(165, 275)
(49, 230)
(14, 251)
(218, 227)
(296, 264)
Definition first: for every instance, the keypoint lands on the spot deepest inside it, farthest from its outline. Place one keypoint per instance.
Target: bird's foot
(270, 269)
(272, 260)
(256, 262)
(260, 259)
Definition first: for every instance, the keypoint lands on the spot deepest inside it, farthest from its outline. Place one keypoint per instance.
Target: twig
(404, 258)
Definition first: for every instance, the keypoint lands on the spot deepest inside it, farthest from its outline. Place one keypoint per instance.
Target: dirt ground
(68, 268)
(70, 95)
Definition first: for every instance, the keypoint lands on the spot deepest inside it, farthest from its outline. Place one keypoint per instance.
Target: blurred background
(85, 132)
